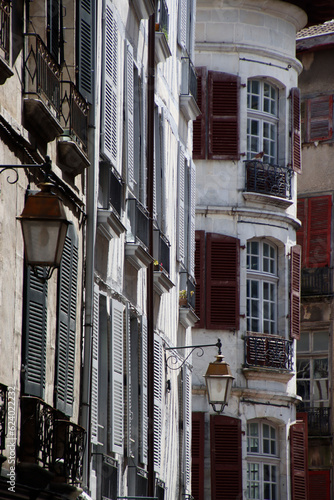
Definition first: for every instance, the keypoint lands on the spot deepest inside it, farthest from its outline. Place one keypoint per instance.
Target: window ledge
(270, 374)
(5, 71)
(72, 158)
(187, 317)
(162, 50)
(137, 255)
(144, 8)
(109, 224)
(189, 107)
(267, 199)
(161, 282)
(41, 119)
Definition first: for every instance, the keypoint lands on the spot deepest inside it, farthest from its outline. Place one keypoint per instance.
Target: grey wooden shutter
(66, 323)
(95, 368)
(187, 427)
(86, 34)
(129, 115)
(53, 26)
(157, 425)
(181, 211)
(112, 105)
(35, 331)
(192, 218)
(116, 399)
(143, 391)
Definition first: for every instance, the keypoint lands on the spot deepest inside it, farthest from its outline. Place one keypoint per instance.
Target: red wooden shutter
(222, 281)
(319, 484)
(295, 292)
(223, 111)
(197, 456)
(295, 130)
(320, 118)
(299, 461)
(319, 231)
(226, 468)
(199, 132)
(302, 231)
(200, 278)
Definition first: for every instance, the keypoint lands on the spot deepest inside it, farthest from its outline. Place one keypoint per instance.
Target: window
(262, 466)
(262, 123)
(261, 287)
(313, 369)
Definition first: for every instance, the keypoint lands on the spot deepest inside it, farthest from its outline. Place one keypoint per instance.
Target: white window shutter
(117, 399)
(143, 174)
(192, 217)
(157, 426)
(181, 211)
(187, 427)
(143, 391)
(111, 99)
(127, 368)
(95, 368)
(182, 29)
(129, 114)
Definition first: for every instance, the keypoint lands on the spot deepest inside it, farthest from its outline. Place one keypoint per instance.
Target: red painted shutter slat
(222, 281)
(295, 130)
(197, 456)
(223, 112)
(320, 118)
(226, 469)
(319, 231)
(302, 205)
(299, 461)
(200, 278)
(295, 292)
(319, 484)
(199, 132)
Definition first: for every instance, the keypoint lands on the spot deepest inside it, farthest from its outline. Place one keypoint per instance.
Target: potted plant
(183, 301)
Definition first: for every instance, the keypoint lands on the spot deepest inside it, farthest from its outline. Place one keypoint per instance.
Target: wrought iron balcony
(189, 78)
(4, 28)
(269, 352)
(318, 420)
(74, 113)
(161, 249)
(265, 178)
(162, 20)
(50, 441)
(316, 281)
(139, 222)
(3, 415)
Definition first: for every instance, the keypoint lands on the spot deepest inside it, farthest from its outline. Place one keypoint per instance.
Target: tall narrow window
(262, 123)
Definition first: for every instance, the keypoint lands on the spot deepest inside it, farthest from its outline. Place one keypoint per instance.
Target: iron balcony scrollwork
(266, 178)
(269, 352)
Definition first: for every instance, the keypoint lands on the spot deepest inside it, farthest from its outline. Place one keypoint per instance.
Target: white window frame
(262, 113)
(265, 276)
(266, 457)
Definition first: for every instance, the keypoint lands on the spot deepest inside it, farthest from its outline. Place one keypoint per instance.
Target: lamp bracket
(173, 359)
(46, 166)
(46, 273)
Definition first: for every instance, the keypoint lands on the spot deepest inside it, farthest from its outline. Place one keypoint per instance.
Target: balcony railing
(4, 28)
(318, 420)
(161, 250)
(3, 415)
(268, 179)
(268, 352)
(42, 73)
(189, 78)
(74, 112)
(316, 281)
(139, 222)
(162, 17)
(115, 191)
(187, 284)
(50, 441)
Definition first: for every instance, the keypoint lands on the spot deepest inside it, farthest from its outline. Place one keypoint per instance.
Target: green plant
(183, 294)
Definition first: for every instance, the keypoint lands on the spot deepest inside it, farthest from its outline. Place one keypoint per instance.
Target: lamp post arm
(174, 359)
(46, 166)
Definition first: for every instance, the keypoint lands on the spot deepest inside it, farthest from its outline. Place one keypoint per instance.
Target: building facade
(315, 205)
(247, 152)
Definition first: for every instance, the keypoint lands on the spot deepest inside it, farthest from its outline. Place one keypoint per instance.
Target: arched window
(261, 287)
(262, 121)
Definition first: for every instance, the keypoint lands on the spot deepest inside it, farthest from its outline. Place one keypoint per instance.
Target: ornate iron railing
(161, 252)
(317, 281)
(4, 28)
(269, 352)
(139, 221)
(73, 112)
(318, 420)
(50, 441)
(269, 179)
(189, 78)
(42, 73)
(3, 415)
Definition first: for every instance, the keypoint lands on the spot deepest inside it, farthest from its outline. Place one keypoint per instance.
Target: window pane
(320, 368)
(320, 341)
(303, 390)
(303, 368)
(320, 390)
(253, 481)
(304, 343)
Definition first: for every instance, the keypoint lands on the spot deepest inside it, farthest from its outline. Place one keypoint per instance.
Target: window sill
(189, 107)
(187, 317)
(137, 255)
(109, 224)
(162, 50)
(268, 374)
(161, 282)
(267, 199)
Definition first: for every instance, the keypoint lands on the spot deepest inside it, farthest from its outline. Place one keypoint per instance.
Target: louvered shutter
(226, 469)
(111, 99)
(319, 484)
(181, 207)
(302, 231)
(143, 391)
(86, 33)
(199, 132)
(200, 278)
(319, 231)
(192, 218)
(295, 292)
(127, 371)
(35, 332)
(197, 455)
(95, 368)
(66, 323)
(295, 130)
(143, 139)
(320, 118)
(223, 113)
(187, 427)
(129, 115)
(222, 281)
(117, 399)
(157, 425)
(299, 461)
(182, 27)
(53, 28)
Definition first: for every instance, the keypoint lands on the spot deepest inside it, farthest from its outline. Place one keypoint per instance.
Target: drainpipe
(150, 316)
